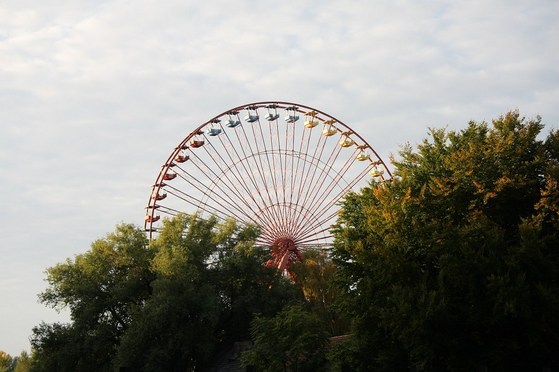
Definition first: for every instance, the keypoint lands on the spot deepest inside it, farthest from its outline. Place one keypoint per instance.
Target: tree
(170, 305)
(23, 362)
(293, 340)
(102, 288)
(210, 283)
(174, 329)
(246, 288)
(315, 276)
(453, 264)
(6, 361)
(59, 347)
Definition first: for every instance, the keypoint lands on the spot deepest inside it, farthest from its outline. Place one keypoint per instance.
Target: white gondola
(251, 118)
(272, 117)
(291, 118)
(232, 123)
(213, 131)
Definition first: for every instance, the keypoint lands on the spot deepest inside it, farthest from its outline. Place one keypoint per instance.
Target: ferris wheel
(282, 166)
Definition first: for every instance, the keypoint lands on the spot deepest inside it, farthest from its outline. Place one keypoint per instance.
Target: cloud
(95, 95)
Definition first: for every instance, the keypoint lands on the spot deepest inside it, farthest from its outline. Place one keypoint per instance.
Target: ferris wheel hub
(284, 244)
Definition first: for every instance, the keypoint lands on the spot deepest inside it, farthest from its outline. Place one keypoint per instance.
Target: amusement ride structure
(282, 166)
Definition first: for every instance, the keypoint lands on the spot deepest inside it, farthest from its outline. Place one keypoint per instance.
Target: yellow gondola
(311, 123)
(346, 142)
(362, 156)
(329, 129)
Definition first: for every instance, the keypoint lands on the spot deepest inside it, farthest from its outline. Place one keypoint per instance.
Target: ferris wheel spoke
(284, 175)
(271, 236)
(344, 190)
(217, 198)
(270, 167)
(242, 178)
(301, 158)
(224, 175)
(317, 228)
(169, 211)
(335, 181)
(312, 239)
(251, 169)
(304, 176)
(273, 171)
(315, 165)
(323, 172)
(300, 210)
(281, 174)
(333, 200)
(295, 168)
(296, 174)
(283, 156)
(338, 196)
(288, 169)
(258, 159)
(289, 159)
(241, 181)
(205, 206)
(205, 189)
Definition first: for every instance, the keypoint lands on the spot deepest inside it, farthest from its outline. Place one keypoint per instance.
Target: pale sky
(94, 95)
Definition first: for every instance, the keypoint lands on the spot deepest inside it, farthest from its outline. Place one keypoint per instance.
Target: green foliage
(23, 362)
(5, 361)
(169, 306)
(315, 276)
(20, 363)
(293, 340)
(342, 354)
(102, 288)
(453, 264)
(247, 287)
(174, 329)
(210, 283)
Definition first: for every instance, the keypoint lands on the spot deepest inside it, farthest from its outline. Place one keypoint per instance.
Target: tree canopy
(166, 306)
(454, 263)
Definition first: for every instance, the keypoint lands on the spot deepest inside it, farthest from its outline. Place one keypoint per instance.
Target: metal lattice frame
(280, 165)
